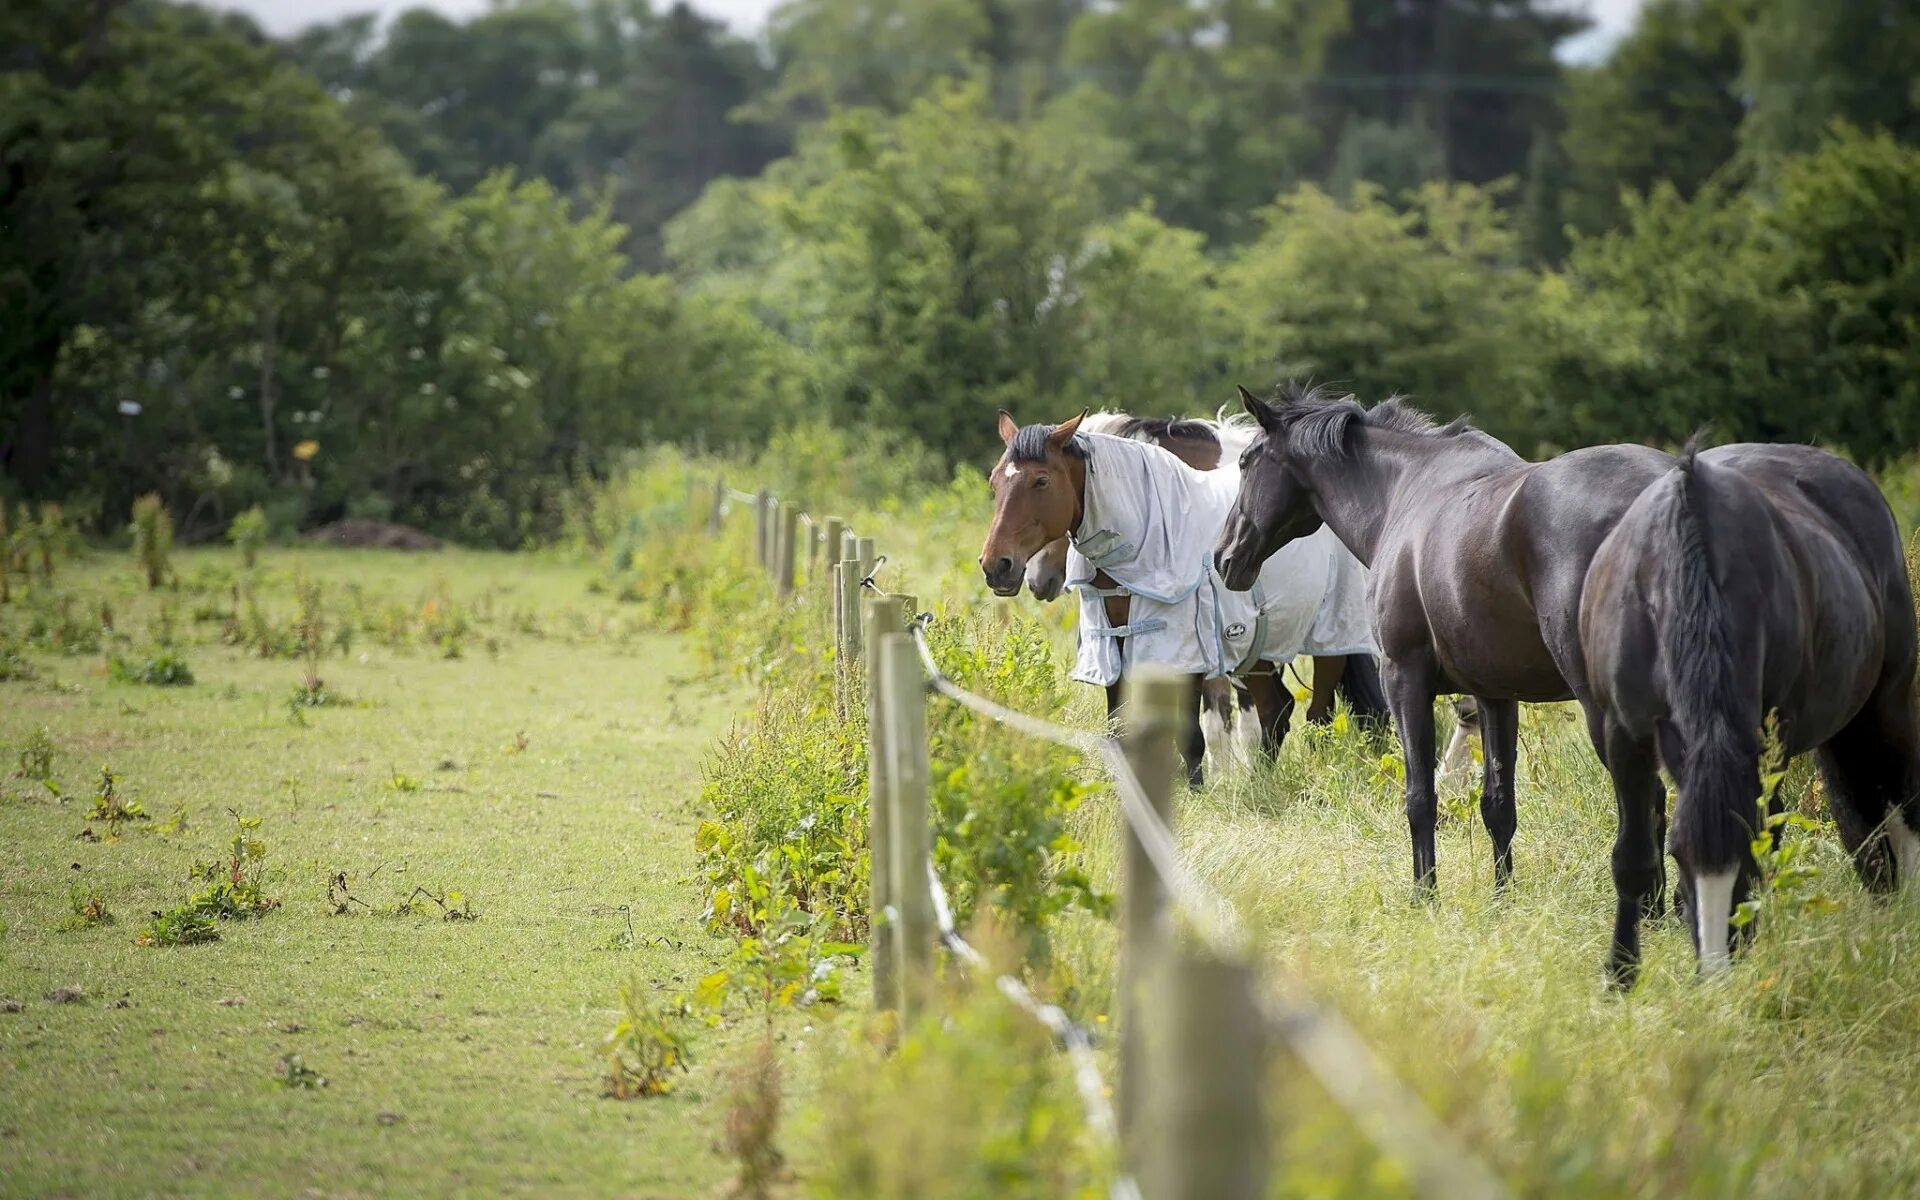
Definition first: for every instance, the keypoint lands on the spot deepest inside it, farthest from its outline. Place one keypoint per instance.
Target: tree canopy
(438, 269)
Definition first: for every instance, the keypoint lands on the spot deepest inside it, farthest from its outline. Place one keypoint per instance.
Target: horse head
(1047, 571)
(1037, 488)
(1275, 503)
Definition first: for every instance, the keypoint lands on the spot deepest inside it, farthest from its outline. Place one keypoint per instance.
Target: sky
(1612, 17)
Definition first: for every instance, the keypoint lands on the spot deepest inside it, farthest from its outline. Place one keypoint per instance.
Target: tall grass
(1793, 1075)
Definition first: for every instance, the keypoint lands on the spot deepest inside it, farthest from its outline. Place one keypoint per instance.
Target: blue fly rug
(1150, 521)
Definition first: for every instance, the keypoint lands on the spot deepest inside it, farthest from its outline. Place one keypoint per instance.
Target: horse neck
(1169, 461)
(1358, 492)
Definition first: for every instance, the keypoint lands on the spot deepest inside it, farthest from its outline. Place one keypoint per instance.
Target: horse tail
(1714, 723)
(1365, 694)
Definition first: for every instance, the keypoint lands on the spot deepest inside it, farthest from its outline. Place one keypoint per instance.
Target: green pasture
(550, 779)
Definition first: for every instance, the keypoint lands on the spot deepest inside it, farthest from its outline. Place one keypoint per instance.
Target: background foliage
(442, 271)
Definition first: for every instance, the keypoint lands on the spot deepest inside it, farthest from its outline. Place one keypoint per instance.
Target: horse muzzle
(1236, 571)
(1003, 575)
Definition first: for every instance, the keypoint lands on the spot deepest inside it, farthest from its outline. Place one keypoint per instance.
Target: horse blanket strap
(1257, 643)
(1151, 625)
(1090, 590)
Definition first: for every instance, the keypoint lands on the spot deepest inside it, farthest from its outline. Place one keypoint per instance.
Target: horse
(1477, 559)
(1142, 519)
(1225, 708)
(1749, 580)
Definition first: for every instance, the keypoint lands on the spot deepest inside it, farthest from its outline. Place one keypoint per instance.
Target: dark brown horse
(1477, 555)
(1750, 579)
(1039, 484)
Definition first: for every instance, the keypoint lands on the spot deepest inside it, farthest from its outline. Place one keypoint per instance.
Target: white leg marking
(1246, 736)
(1458, 758)
(1219, 746)
(1906, 849)
(1713, 910)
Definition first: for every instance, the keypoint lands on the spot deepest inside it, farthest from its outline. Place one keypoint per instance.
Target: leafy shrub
(649, 1046)
(111, 807)
(36, 755)
(88, 908)
(162, 668)
(153, 538)
(1001, 801)
(181, 926)
(248, 534)
(1001, 1118)
(789, 801)
(233, 891)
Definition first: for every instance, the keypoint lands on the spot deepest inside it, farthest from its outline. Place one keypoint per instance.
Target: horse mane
(1030, 445)
(1318, 421)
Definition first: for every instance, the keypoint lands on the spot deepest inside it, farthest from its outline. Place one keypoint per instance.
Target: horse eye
(1040, 481)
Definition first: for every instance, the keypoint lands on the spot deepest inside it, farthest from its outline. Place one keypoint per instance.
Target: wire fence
(1208, 1138)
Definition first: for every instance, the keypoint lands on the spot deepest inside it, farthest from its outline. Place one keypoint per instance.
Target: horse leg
(1360, 684)
(1637, 864)
(1274, 705)
(1872, 772)
(1193, 735)
(1410, 693)
(1500, 748)
(1247, 734)
(1326, 673)
(1216, 721)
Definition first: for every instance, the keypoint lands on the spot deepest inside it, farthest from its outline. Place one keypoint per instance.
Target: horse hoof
(1622, 973)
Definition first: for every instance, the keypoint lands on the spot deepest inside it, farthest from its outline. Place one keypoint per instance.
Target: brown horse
(1040, 485)
(1198, 443)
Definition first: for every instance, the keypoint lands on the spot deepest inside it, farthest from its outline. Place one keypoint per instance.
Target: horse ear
(1064, 431)
(1259, 409)
(1008, 427)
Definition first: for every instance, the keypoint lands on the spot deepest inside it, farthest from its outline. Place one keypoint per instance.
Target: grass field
(464, 1057)
(460, 1057)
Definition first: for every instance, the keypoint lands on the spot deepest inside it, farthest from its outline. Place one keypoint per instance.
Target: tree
(1664, 107)
(1812, 62)
(1427, 301)
(1479, 75)
(599, 97)
(1208, 97)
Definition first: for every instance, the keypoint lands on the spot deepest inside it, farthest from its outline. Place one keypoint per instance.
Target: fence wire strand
(1390, 1115)
(1071, 1036)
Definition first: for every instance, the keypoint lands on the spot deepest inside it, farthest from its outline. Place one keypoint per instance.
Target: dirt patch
(360, 534)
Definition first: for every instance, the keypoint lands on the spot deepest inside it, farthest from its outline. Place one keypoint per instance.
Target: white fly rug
(1150, 522)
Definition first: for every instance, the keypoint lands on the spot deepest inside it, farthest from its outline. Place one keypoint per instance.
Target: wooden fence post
(1149, 718)
(864, 551)
(789, 531)
(850, 640)
(885, 615)
(1205, 1134)
(719, 506)
(830, 547)
(905, 691)
(763, 527)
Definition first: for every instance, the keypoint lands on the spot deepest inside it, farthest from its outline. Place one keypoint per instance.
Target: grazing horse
(1143, 519)
(1201, 445)
(1747, 580)
(1477, 559)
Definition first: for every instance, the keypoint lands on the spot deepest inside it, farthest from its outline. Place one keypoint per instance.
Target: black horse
(1477, 560)
(1748, 580)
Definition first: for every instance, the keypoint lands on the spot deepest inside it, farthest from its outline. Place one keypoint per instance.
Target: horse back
(1492, 567)
(1807, 559)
